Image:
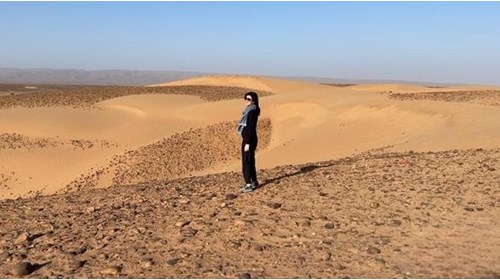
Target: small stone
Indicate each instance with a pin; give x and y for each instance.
(147, 263)
(182, 223)
(239, 223)
(258, 247)
(21, 239)
(172, 262)
(90, 210)
(373, 250)
(470, 209)
(326, 257)
(112, 270)
(78, 264)
(394, 223)
(210, 215)
(330, 226)
(22, 269)
(223, 204)
(275, 205)
(245, 276)
(4, 256)
(231, 196)
(184, 201)
(305, 224)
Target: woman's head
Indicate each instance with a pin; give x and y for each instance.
(252, 97)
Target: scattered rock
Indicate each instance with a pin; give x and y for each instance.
(4, 256)
(326, 257)
(245, 276)
(223, 204)
(373, 250)
(470, 209)
(147, 263)
(182, 223)
(90, 210)
(330, 226)
(239, 223)
(77, 264)
(23, 237)
(112, 270)
(258, 247)
(189, 232)
(231, 196)
(184, 201)
(275, 205)
(394, 223)
(22, 269)
(173, 261)
(374, 205)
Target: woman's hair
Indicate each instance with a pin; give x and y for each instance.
(255, 100)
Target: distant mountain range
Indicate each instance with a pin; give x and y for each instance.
(139, 78)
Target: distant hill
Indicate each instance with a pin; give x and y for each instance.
(138, 78)
(97, 77)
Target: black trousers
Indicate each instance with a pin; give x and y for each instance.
(248, 163)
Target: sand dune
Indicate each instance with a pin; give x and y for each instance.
(308, 121)
(215, 80)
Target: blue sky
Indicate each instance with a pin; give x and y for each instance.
(417, 41)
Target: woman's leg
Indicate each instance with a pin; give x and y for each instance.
(246, 165)
(253, 169)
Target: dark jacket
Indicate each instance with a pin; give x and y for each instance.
(249, 132)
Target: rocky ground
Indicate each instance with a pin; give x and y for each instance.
(172, 157)
(375, 215)
(16, 141)
(87, 96)
(485, 97)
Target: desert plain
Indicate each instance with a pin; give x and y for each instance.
(357, 181)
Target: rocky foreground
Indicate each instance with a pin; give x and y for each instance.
(376, 215)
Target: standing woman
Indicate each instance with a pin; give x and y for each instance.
(247, 127)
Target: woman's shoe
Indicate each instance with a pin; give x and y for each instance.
(247, 188)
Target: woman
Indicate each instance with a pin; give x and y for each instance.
(247, 127)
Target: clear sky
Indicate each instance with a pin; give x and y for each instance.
(418, 41)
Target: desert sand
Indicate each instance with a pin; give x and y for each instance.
(379, 180)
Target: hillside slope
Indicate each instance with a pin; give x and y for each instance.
(376, 215)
